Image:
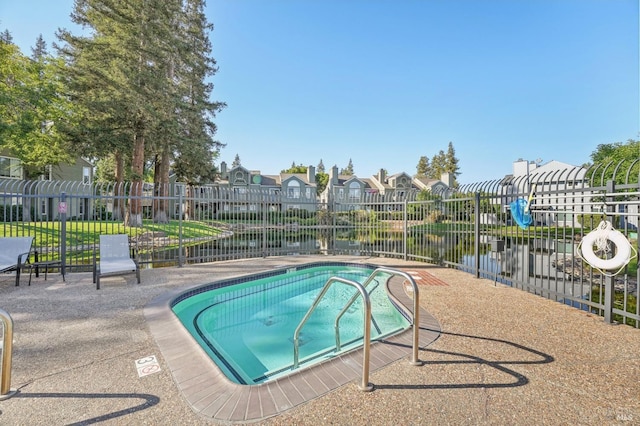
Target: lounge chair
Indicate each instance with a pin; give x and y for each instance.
(115, 258)
(14, 254)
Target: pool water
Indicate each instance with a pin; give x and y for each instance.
(247, 326)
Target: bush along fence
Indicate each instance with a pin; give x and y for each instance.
(470, 228)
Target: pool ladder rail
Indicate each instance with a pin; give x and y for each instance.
(5, 360)
(366, 349)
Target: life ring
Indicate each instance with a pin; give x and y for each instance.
(623, 250)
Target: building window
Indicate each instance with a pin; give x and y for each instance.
(86, 175)
(293, 189)
(10, 168)
(354, 191)
(239, 178)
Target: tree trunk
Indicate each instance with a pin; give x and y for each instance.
(188, 203)
(137, 182)
(118, 190)
(161, 204)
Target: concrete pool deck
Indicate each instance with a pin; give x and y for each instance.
(503, 356)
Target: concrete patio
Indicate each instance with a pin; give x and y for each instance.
(503, 357)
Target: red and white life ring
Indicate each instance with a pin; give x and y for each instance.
(623, 250)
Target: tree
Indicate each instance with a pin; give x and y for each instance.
(349, 170)
(39, 51)
(320, 167)
(438, 165)
(32, 108)
(117, 76)
(195, 149)
(236, 162)
(295, 169)
(616, 152)
(607, 157)
(322, 180)
(451, 163)
(105, 170)
(6, 37)
(423, 167)
(140, 79)
(443, 163)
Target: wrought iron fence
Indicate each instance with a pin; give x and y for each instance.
(469, 228)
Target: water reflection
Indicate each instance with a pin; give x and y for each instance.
(532, 268)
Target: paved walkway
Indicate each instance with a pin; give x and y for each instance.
(504, 357)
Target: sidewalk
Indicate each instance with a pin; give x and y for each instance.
(504, 357)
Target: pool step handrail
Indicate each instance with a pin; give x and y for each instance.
(336, 325)
(5, 362)
(416, 309)
(365, 386)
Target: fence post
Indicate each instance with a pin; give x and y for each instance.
(180, 228)
(331, 246)
(265, 218)
(405, 227)
(476, 233)
(609, 280)
(62, 209)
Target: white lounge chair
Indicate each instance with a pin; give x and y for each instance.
(14, 254)
(115, 258)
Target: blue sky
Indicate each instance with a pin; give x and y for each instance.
(384, 82)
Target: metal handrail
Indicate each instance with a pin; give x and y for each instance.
(5, 364)
(336, 326)
(366, 305)
(416, 309)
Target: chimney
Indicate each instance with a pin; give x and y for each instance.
(446, 178)
(223, 169)
(311, 174)
(382, 176)
(333, 175)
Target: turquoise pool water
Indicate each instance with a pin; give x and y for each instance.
(246, 325)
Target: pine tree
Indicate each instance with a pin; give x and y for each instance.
(118, 77)
(451, 163)
(423, 167)
(349, 170)
(39, 51)
(197, 146)
(320, 167)
(438, 165)
(236, 162)
(196, 149)
(6, 37)
(140, 80)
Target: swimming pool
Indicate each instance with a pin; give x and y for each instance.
(246, 325)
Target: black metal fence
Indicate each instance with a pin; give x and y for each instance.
(469, 228)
